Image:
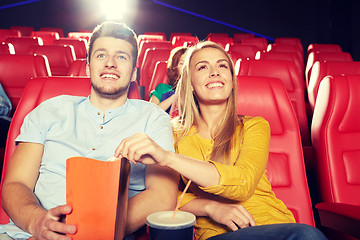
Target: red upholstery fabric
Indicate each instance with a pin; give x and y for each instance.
(60, 57)
(220, 38)
(258, 42)
(80, 35)
(47, 37)
(16, 70)
(24, 30)
(6, 48)
(153, 37)
(267, 97)
(324, 56)
(60, 31)
(144, 45)
(293, 82)
(159, 75)
(5, 33)
(152, 56)
(174, 34)
(238, 50)
(79, 45)
(276, 47)
(335, 135)
(322, 69)
(180, 40)
(22, 44)
(238, 36)
(287, 56)
(321, 47)
(290, 41)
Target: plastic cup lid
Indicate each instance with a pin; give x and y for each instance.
(164, 220)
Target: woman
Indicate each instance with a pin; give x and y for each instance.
(163, 94)
(225, 156)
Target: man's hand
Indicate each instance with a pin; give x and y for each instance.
(51, 225)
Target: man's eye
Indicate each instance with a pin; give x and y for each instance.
(100, 55)
(121, 57)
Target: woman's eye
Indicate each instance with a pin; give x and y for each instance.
(223, 66)
(201, 67)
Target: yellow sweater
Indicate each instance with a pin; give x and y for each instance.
(244, 180)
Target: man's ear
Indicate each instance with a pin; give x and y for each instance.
(134, 75)
(87, 69)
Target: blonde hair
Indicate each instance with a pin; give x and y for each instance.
(189, 112)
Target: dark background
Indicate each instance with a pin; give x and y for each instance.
(313, 21)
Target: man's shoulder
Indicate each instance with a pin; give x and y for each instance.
(59, 102)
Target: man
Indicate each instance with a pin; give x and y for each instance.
(34, 193)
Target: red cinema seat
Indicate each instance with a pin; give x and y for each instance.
(38, 90)
(156, 33)
(60, 57)
(151, 37)
(47, 37)
(80, 35)
(293, 82)
(335, 133)
(237, 37)
(152, 56)
(60, 31)
(178, 41)
(322, 47)
(290, 41)
(267, 97)
(286, 56)
(16, 70)
(4, 33)
(79, 45)
(24, 30)
(260, 43)
(324, 56)
(322, 69)
(220, 38)
(174, 34)
(273, 47)
(148, 44)
(22, 44)
(78, 69)
(159, 75)
(238, 50)
(6, 48)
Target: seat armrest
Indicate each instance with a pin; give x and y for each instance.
(341, 217)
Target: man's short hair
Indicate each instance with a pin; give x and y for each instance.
(115, 30)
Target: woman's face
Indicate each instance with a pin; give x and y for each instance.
(211, 77)
(180, 64)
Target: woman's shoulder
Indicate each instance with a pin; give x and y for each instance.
(249, 121)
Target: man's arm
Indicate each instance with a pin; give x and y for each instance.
(19, 201)
(160, 195)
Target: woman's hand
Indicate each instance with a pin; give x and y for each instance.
(234, 216)
(141, 148)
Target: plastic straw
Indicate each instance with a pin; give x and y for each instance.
(181, 197)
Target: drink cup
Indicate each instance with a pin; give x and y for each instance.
(162, 226)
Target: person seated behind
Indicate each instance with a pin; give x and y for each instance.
(163, 94)
(224, 155)
(34, 190)
(5, 112)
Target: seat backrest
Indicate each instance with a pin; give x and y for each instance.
(60, 57)
(47, 37)
(4, 33)
(238, 36)
(287, 56)
(152, 56)
(335, 136)
(321, 69)
(178, 41)
(293, 82)
(259, 42)
(290, 41)
(276, 47)
(60, 31)
(79, 45)
(323, 47)
(220, 38)
(22, 44)
(324, 56)
(38, 90)
(16, 70)
(267, 97)
(7, 48)
(238, 49)
(159, 75)
(152, 37)
(24, 30)
(174, 34)
(148, 44)
(80, 35)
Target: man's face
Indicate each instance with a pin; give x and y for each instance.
(110, 68)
